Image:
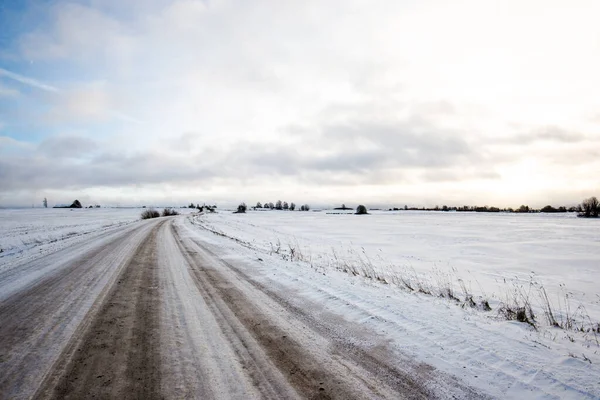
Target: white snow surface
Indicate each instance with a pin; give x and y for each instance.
(506, 359)
(26, 233)
(492, 253)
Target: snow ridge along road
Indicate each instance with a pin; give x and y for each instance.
(153, 311)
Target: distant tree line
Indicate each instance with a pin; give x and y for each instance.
(491, 209)
(280, 205)
(589, 208)
(152, 213)
(202, 207)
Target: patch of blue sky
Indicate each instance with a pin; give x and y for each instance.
(29, 119)
(21, 16)
(12, 21)
(25, 132)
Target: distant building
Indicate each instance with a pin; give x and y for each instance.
(75, 204)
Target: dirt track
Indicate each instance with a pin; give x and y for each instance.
(152, 312)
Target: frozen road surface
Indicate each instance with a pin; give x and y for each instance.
(151, 311)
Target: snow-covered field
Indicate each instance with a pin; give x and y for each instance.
(492, 254)
(507, 359)
(23, 231)
(32, 232)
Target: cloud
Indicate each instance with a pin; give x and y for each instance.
(112, 170)
(27, 81)
(67, 147)
(544, 134)
(459, 175)
(556, 134)
(580, 156)
(78, 33)
(6, 142)
(88, 103)
(358, 153)
(291, 97)
(409, 143)
(435, 108)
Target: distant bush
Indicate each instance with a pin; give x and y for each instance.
(304, 207)
(550, 209)
(168, 212)
(241, 208)
(150, 213)
(361, 210)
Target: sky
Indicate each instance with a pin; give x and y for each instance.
(322, 102)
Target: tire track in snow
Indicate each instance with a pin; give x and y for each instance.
(117, 355)
(206, 354)
(325, 372)
(37, 321)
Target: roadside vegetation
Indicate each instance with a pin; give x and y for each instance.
(168, 212)
(152, 213)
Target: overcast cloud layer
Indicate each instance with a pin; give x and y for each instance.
(383, 103)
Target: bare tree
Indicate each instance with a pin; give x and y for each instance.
(278, 205)
(292, 206)
(589, 208)
(45, 202)
(286, 205)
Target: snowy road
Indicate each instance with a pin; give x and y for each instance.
(151, 311)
